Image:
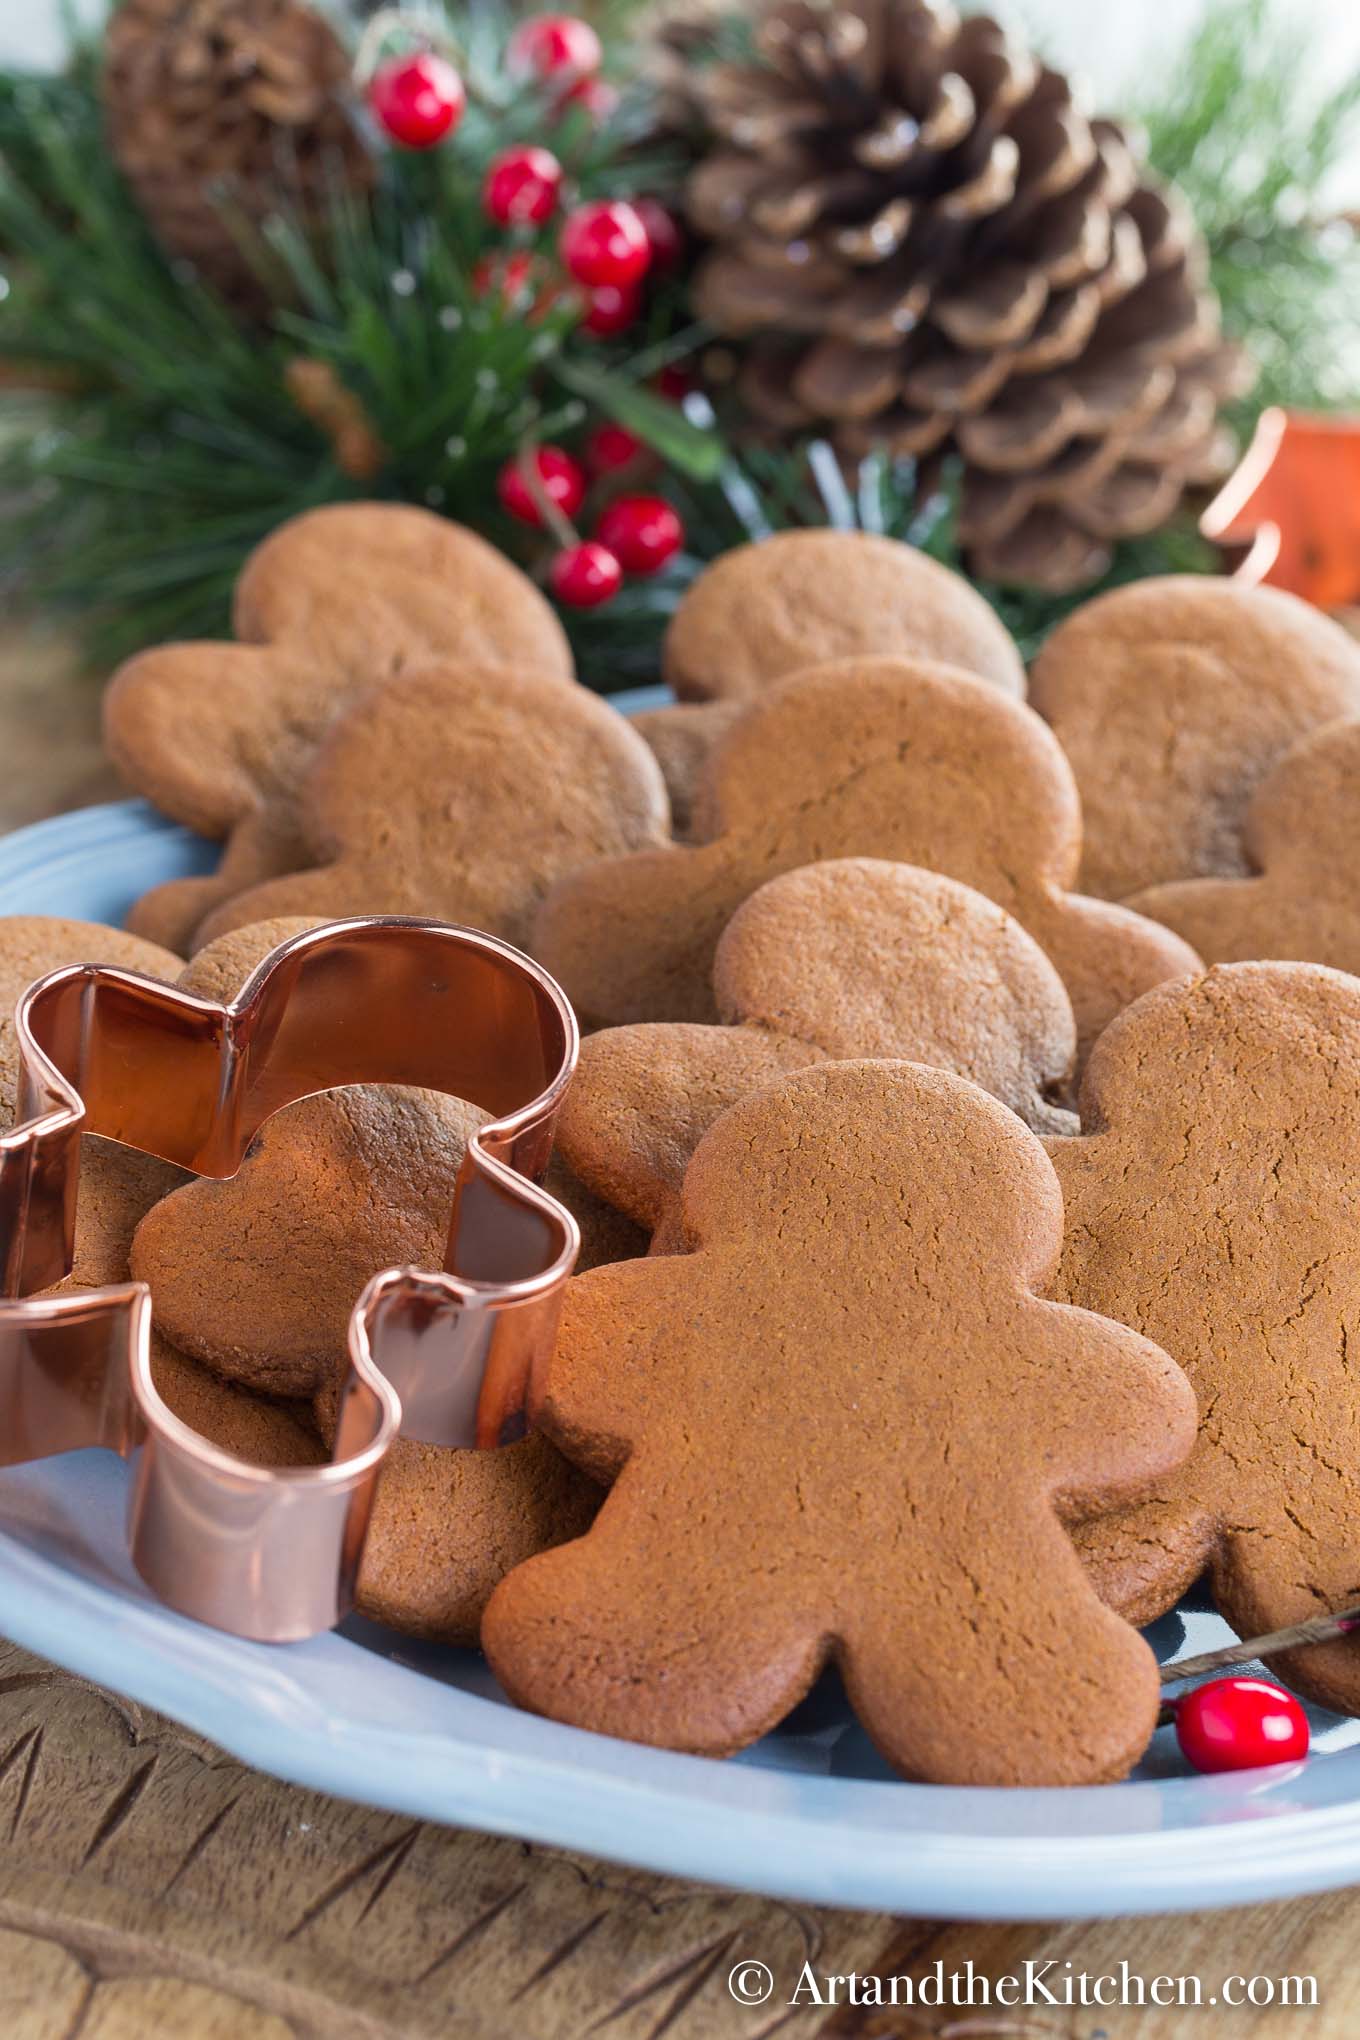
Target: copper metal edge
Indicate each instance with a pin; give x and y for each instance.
(447, 1357)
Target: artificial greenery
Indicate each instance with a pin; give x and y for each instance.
(149, 440)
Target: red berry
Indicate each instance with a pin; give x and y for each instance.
(612, 310)
(550, 44)
(417, 100)
(664, 236)
(521, 187)
(605, 242)
(596, 95)
(512, 276)
(585, 575)
(641, 531)
(611, 447)
(1237, 1724)
(561, 479)
(673, 384)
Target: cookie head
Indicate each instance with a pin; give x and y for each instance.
(804, 598)
(463, 793)
(850, 1353)
(1173, 698)
(1211, 1205)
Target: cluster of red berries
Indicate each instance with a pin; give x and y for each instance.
(634, 534)
(606, 248)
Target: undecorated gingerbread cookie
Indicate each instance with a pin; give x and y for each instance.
(835, 961)
(888, 758)
(331, 605)
(845, 1426)
(1173, 698)
(462, 794)
(1302, 833)
(1211, 1204)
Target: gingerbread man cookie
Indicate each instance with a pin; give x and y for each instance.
(462, 794)
(889, 758)
(1301, 835)
(1211, 1204)
(332, 604)
(835, 961)
(844, 1425)
(1173, 698)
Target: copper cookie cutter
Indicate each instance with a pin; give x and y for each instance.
(449, 1358)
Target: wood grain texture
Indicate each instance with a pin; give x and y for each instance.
(152, 1888)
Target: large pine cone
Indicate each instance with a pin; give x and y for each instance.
(931, 249)
(223, 112)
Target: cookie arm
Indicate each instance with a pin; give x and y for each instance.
(617, 1333)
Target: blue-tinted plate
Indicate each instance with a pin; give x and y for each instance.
(809, 1814)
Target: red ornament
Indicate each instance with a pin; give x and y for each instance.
(561, 479)
(1238, 1724)
(417, 100)
(643, 532)
(585, 575)
(611, 447)
(521, 187)
(551, 44)
(612, 310)
(664, 235)
(605, 242)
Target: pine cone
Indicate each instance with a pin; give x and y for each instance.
(929, 248)
(223, 112)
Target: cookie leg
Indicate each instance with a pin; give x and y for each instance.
(1305, 1564)
(627, 1633)
(997, 1665)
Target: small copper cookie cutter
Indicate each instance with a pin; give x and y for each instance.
(447, 1357)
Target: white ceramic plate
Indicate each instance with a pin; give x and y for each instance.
(809, 1814)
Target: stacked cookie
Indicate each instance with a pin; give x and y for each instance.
(895, 1386)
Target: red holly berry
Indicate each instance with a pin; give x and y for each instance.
(1237, 1724)
(643, 532)
(585, 575)
(605, 242)
(596, 95)
(561, 479)
(551, 44)
(521, 187)
(417, 100)
(612, 310)
(673, 384)
(664, 235)
(611, 447)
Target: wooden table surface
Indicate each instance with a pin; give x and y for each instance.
(151, 1886)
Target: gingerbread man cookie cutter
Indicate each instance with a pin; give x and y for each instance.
(447, 1358)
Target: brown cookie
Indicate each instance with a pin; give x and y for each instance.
(262, 1429)
(891, 758)
(834, 961)
(1173, 698)
(845, 1426)
(333, 603)
(462, 794)
(1302, 831)
(805, 598)
(117, 1185)
(1211, 1204)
